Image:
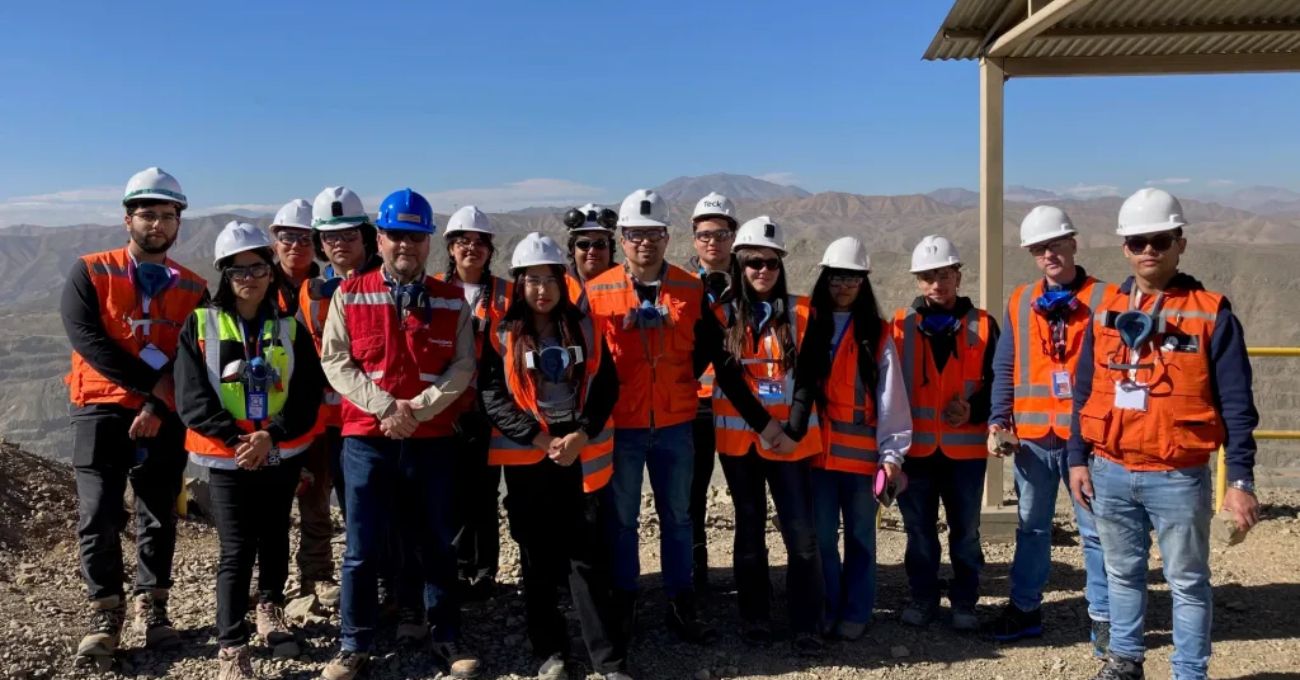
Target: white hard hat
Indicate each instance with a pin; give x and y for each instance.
(469, 218)
(1045, 223)
(237, 237)
(154, 184)
(338, 208)
(1149, 211)
(295, 214)
(715, 205)
(934, 252)
(847, 253)
(536, 249)
(591, 217)
(760, 232)
(643, 208)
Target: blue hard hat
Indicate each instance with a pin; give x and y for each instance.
(406, 210)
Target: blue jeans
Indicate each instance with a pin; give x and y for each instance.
(670, 454)
(1040, 468)
(959, 484)
(407, 484)
(1176, 503)
(850, 586)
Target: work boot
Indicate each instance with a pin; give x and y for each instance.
(553, 668)
(964, 618)
(151, 621)
(1100, 636)
(235, 663)
(1120, 669)
(411, 626)
(104, 633)
(345, 665)
(917, 614)
(461, 663)
(1014, 624)
(683, 621)
(271, 625)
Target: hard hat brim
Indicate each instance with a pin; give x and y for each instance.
(1155, 228)
(705, 216)
(850, 267)
(153, 196)
(1048, 237)
(236, 251)
(584, 228)
(341, 225)
(741, 246)
(641, 222)
(404, 226)
(461, 230)
(930, 268)
(287, 225)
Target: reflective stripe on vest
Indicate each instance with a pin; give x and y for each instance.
(928, 432)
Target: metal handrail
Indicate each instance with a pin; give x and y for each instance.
(1221, 469)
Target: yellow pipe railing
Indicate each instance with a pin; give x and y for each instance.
(1221, 469)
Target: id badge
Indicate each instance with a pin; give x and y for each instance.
(771, 390)
(153, 356)
(1131, 396)
(1061, 385)
(255, 405)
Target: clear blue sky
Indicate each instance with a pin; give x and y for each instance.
(250, 104)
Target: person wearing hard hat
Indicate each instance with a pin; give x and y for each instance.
(343, 237)
(123, 310)
(470, 249)
(247, 386)
(591, 240)
(549, 384)
(399, 347)
(1033, 370)
(713, 227)
(763, 326)
(946, 345)
(654, 316)
(1163, 381)
(292, 234)
(848, 363)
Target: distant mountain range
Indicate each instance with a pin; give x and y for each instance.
(735, 187)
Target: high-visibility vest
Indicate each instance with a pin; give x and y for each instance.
(217, 330)
(597, 457)
(657, 385)
(1037, 412)
(848, 429)
(1181, 427)
(126, 322)
(403, 356)
(577, 292)
(313, 309)
(929, 390)
(763, 363)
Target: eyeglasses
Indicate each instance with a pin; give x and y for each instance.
(399, 236)
(540, 281)
(151, 217)
(1159, 242)
(260, 270)
(467, 242)
(343, 236)
(293, 237)
(759, 264)
(1057, 246)
(945, 275)
(598, 244)
(846, 280)
(711, 235)
(640, 235)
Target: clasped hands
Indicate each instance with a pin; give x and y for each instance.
(563, 450)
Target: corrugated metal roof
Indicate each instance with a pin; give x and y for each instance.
(1105, 28)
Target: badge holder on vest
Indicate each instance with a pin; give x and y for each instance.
(258, 377)
(151, 280)
(770, 389)
(1136, 330)
(1056, 306)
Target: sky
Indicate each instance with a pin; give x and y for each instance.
(513, 104)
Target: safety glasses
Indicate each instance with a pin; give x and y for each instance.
(342, 236)
(714, 235)
(252, 271)
(640, 235)
(1158, 242)
(398, 236)
(585, 244)
(293, 237)
(1058, 246)
(758, 264)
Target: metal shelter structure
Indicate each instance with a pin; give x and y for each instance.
(1038, 38)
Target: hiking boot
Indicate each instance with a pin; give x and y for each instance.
(271, 625)
(808, 645)
(104, 633)
(1100, 636)
(411, 626)
(553, 668)
(1120, 669)
(151, 621)
(850, 630)
(345, 665)
(1014, 624)
(916, 614)
(235, 663)
(327, 592)
(461, 663)
(683, 621)
(965, 619)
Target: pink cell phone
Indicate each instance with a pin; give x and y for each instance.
(887, 491)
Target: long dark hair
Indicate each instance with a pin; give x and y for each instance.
(865, 315)
(369, 242)
(225, 297)
(518, 321)
(742, 297)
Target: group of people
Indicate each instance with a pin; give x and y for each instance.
(411, 395)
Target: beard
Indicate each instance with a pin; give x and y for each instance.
(152, 246)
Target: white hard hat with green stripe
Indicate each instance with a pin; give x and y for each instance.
(154, 184)
(337, 208)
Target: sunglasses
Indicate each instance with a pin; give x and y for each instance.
(293, 237)
(846, 280)
(399, 236)
(252, 271)
(1159, 243)
(1040, 249)
(651, 235)
(712, 235)
(599, 244)
(759, 264)
(337, 237)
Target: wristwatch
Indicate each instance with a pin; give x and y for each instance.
(1246, 485)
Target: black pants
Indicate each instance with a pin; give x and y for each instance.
(251, 511)
(560, 531)
(705, 442)
(104, 458)
(478, 541)
(749, 476)
(316, 527)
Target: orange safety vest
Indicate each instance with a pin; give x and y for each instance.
(1181, 427)
(1037, 412)
(761, 361)
(597, 457)
(657, 385)
(312, 312)
(127, 323)
(403, 356)
(929, 390)
(848, 429)
(577, 292)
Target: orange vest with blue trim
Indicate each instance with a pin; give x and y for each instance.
(848, 429)
(929, 390)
